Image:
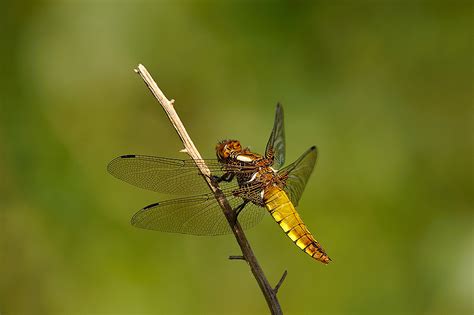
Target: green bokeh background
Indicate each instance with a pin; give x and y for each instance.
(383, 88)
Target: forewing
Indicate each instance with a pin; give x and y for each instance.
(276, 143)
(164, 175)
(198, 215)
(298, 174)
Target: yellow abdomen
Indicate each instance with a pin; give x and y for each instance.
(284, 213)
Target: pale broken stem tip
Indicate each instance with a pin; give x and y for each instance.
(172, 101)
(183, 150)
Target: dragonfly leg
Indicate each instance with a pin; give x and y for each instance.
(227, 177)
(240, 207)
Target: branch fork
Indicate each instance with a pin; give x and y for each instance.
(277, 287)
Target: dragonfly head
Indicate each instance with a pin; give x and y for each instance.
(226, 148)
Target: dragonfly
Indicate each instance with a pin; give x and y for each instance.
(252, 183)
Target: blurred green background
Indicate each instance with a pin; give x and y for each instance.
(384, 89)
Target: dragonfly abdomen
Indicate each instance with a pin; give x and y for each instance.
(285, 214)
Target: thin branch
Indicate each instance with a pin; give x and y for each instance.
(268, 292)
(280, 282)
(236, 257)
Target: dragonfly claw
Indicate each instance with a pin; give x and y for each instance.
(239, 208)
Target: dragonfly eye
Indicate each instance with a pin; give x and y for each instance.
(236, 146)
(225, 148)
(222, 151)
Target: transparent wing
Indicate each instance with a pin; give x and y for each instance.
(298, 174)
(198, 215)
(276, 143)
(166, 175)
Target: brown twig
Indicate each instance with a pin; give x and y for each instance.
(248, 255)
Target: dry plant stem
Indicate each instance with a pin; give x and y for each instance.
(268, 292)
